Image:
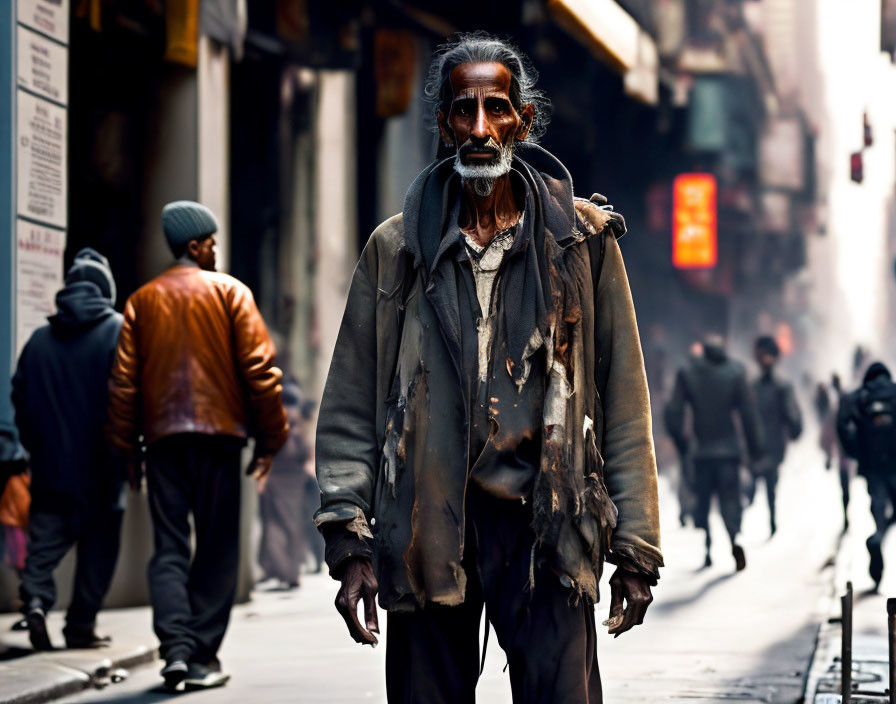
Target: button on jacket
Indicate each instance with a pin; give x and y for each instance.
(195, 356)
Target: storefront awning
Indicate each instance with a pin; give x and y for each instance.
(615, 38)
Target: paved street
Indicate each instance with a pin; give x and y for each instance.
(710, 636)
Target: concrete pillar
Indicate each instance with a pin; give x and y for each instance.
(335, 211)
(213, 137)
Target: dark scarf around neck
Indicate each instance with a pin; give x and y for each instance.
(540, 296)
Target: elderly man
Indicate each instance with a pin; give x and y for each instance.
(193, 377)
(484, 437)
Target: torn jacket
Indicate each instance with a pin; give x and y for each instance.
(393, 450)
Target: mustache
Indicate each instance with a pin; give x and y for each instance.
(490, 146)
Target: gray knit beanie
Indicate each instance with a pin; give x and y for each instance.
(90, 265)
(184, 221)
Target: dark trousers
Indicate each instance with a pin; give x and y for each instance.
(882, 490)
(548, 637)
(845, 476)
(196, 475)
(769, 474)
(721, 478)
(55, 526)
(281, 505)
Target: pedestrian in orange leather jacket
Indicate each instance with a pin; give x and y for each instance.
(193, 378)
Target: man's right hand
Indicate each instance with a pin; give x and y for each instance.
(358, 583)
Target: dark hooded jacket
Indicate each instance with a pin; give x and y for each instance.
(60, 394)
(393, 439)
(779, 414)
(716, 389)
(866, 422)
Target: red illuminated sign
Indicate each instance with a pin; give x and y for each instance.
(694, 222)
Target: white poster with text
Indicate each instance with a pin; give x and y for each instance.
(47, 16)
(39, 262)
(42, 66)
(41, 160)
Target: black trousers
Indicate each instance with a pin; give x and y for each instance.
(882, 491)
(718, 477)
(769, 475)
(192, 596)
(56, 525)
(549, 638)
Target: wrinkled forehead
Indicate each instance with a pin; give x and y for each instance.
(469, 80)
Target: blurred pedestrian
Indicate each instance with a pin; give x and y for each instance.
(781, 420)
(193, 378)
(830, 442)
(13, 458)
(715, 388)
(60, 393)
(687, 494)
(866, 424)
(282, 499)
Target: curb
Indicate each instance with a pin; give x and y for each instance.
(830, 613)
(43, 677)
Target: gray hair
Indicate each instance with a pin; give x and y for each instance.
(481, 47)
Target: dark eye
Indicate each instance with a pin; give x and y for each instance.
(464, 107)
(497, 106)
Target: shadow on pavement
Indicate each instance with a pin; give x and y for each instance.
(684, 601)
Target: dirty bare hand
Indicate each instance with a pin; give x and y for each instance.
(359, 583)
(260, 466)
(634, 589)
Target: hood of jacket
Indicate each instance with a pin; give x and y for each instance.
(876, 371)
(714, 354)
(79, 305)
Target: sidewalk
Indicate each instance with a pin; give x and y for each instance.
(711, 636)
(41, 677)
(870, 677)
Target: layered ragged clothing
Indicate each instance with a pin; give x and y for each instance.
(566, 403)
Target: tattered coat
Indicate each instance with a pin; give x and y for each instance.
(392, 439)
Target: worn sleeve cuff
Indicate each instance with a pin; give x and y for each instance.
(635, 559)
(343, 543)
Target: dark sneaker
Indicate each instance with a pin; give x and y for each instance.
(174, 673)
(37, 630)
(83, 641)
(76, 639)
(205, 676)
(740, 559)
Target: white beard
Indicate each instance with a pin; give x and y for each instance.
(481, 177)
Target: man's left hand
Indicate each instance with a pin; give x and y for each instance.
(260, 466)
(629, 598)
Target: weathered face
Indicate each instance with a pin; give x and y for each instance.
(482, 122)
(204, 252)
